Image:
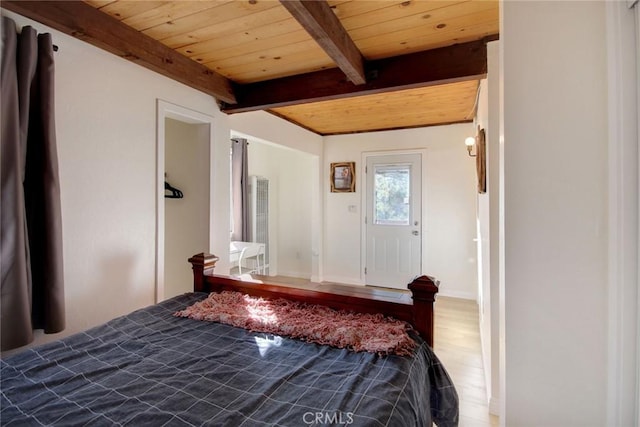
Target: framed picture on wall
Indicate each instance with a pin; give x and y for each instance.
(343, 177)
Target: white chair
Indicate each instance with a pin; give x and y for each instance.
(241, 252)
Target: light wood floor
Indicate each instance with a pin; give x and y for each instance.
(456, 343)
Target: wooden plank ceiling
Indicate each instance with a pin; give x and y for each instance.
(336, 66)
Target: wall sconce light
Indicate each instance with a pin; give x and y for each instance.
(479, 141)
(470, 142)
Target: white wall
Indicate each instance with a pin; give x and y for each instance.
(555, 174)
(450, 217)
(187, 219)
(106, 132)
(270, 128)
(484, 242)
(488, 229)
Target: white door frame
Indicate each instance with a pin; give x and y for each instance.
(365, 190)
(623, 395)
(166, 110)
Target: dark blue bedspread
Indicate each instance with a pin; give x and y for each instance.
(150, 368)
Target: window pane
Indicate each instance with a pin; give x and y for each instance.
(391, 195)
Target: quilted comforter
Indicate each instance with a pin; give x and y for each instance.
(151, 368)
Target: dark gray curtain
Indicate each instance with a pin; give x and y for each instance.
(32, 292)
(240, 189)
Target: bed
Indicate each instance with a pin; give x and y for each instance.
(153, 368)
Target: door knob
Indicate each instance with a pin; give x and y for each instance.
(415, 232)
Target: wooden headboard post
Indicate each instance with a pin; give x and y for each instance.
(202, 264)
(423, 292)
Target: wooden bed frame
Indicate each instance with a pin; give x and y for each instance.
(418, 311)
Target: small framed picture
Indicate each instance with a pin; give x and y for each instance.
(343, 177)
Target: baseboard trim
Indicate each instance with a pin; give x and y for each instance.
(494, 406)
(486, 361)
(344, 280)
(457, 294)
(286, 273)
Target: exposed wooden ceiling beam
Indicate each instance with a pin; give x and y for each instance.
(461, 62)
(84, 22)
(318, 19)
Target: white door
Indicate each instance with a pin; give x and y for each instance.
(393, 219)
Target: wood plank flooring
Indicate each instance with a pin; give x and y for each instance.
(456, 343)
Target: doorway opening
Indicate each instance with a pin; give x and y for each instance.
(184, 159)
(286, 218)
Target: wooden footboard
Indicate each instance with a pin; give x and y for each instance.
(418, 311)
